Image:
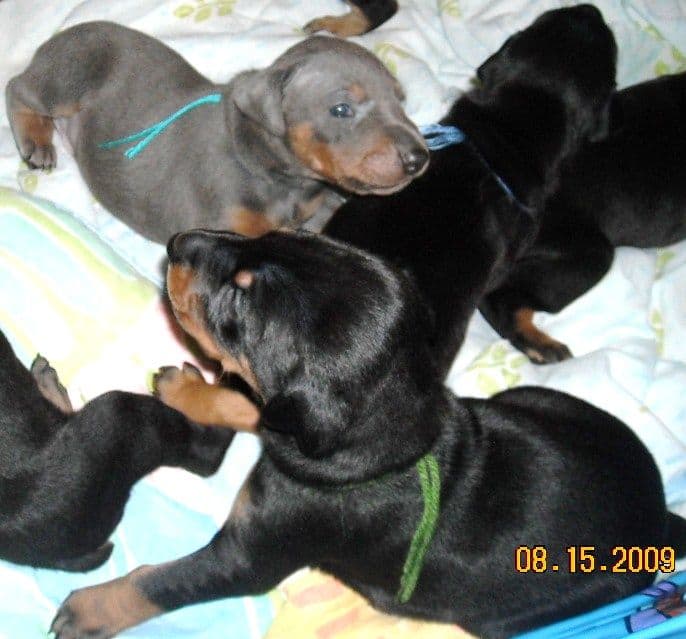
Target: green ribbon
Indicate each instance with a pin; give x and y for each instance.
(430, 482)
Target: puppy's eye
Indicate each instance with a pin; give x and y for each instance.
(342, 110)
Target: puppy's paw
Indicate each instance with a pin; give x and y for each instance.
(38, 156)
(351, 24)
(548, 353)
(537, 345)
(102, 611)
(171, 384)
(70, 624)
(49, 384)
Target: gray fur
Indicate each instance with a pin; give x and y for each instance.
(217, 157)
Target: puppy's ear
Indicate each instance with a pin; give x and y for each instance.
(494, 69)
(258, 96)
(316, 430)
(482, 72)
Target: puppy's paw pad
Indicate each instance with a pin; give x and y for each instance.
(49, 384)
(43, 156)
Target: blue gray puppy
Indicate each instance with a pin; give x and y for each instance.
(280, 149)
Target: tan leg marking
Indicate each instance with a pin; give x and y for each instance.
(110, 607)
(32, 126)
(528, 331)
(212, 405)
(351, 24)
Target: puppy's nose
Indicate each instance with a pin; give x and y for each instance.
(414, 160)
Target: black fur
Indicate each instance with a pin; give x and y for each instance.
(628, 189)
(541, 97)
(336, 340)
(65, 477)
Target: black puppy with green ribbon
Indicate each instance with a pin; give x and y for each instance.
(374, 471)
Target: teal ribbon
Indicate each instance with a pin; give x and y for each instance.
(430, 482)
(153, 131)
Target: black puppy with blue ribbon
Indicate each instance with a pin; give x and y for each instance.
(466, 227)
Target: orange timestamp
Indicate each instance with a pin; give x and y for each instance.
(579, 559)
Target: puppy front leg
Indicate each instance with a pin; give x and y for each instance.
(224, 568)
(186, 390)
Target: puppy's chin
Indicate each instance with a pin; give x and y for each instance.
(185, 305)
(179, 280)
(353, 185)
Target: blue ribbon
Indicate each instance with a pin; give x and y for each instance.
(152, 132)
(438, 136)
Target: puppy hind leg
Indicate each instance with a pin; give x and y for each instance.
(554, 275)
(512, 317)
(32, 129)
(32, 121)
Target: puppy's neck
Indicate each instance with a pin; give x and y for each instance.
(276, 183)
(523, 146)
(391, 427)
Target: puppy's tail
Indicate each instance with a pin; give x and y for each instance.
(676, 534)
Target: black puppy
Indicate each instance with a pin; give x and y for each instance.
(628, 189)
(464, 225)
(65, 476)
(374, 471)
